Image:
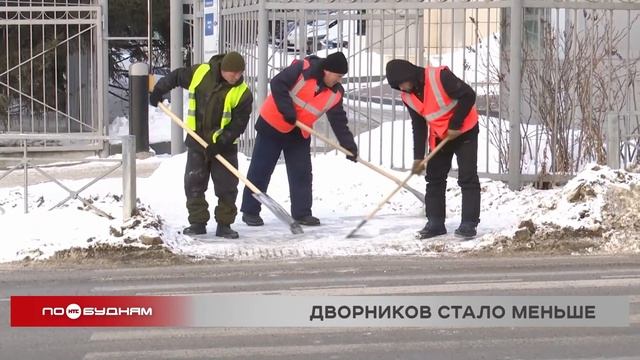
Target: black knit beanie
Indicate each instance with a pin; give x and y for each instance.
(336, 63)
(399, 71)
(232, 61)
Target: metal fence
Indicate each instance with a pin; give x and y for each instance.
(545, 79)
(51, 72)
(34, 163)
(623, 129)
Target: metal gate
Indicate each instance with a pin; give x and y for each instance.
(539, 86)
(51, 72)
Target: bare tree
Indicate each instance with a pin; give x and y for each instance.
(575, 78)
(572, 78)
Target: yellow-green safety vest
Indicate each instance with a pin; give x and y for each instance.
(230, 101)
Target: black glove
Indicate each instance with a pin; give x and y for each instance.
(225, 138)
(291, 121)
(224, 142)
(353, 149)
(418, 166)
(212, 150)
(155, 97)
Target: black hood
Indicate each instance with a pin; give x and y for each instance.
(315, 66)
(399, 71)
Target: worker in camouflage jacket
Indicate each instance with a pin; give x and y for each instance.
(220, 105)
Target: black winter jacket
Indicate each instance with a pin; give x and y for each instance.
(210, 95)
(455, 89)
(284, 81)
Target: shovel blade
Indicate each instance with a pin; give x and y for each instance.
(353, 232)
(279, 212)
(415, 192)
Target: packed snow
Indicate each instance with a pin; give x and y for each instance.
(599, 204)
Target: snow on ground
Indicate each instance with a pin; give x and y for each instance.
(600, 205)
(41, 233)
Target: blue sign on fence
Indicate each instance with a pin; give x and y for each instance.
(208, 24)
(208, 3)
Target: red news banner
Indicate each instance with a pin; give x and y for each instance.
(98, 311)
(232, 310)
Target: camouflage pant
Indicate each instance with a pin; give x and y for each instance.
(225, 184)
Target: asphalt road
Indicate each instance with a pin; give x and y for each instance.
(341, 276)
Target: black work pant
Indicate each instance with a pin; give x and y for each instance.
(225, 184)
(297, 155)
(465, 147)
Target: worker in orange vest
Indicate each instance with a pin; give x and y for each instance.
(303, 91)
(441, 106)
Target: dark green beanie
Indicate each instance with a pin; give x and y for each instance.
(232, 61)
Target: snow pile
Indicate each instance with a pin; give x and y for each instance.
(41, 233)
(597, 211)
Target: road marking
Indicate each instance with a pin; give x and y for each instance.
(338, 280)
(482, 281)
(5, 300)
(601, 358)
(218, 332)
(389, 347)
(628, 276)
(328, 287)
(436, 288)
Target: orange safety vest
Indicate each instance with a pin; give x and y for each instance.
(309, 106)
(437, 107)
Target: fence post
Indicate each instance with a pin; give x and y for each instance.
(263, 52)
(139, 105)
(25, 162)
(515, 47)
(128, 176)
(613, 141)
(102, 76)
(176, 23)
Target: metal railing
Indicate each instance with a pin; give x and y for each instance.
(51, 70)
(623, 139)
(127, 163)
(493, 45)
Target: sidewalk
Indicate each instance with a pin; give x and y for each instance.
(71, 171)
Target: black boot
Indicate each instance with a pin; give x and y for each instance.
(252, 220)
(226, 232)
(308, 221)
(466, 230)
(195, 229)
(431, 230)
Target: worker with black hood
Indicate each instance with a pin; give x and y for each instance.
(441, 106)
(220, 105)
(303, 91)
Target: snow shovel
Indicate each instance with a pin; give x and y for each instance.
(263, 198)
(373, 213)
(377, 169)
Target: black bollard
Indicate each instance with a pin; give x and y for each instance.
(139, 105)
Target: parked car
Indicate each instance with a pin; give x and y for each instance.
(320, 35)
